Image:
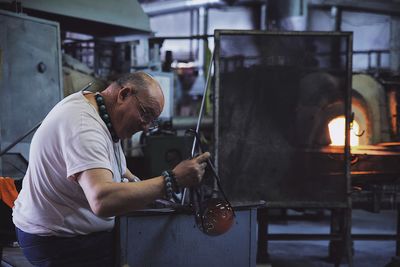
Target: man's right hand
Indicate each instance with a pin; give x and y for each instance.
(190, 172)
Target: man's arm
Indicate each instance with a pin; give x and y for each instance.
(130, 176)
(107, 198)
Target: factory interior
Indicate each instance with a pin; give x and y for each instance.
(297, 102)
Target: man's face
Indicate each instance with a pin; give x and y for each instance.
(137, 111)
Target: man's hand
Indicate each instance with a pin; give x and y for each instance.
(190, 172)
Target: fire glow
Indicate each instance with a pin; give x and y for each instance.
(337, 132)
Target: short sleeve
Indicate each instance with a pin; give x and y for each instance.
(87, 147)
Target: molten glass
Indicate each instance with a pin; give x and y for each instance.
(216, 217)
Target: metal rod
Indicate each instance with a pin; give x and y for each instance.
(203, 101)
(191, 37)
(87, 86)
(8, 148)
(377, 237)
(276, 237)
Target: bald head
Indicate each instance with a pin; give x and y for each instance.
(141, 81)
(144, 85)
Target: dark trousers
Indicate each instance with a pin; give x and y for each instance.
(95, 249)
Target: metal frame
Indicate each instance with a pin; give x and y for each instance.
(347, 100)
(343, 236)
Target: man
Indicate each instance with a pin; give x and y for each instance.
(72, 188)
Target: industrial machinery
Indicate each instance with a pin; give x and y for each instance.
(30, 82)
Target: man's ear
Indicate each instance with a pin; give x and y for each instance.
(124, 93)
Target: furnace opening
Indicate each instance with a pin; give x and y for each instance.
(337, 132)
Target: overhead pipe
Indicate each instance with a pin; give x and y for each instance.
(173, 6)
(168, 7)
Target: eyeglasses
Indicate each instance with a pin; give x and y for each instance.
(146, 116)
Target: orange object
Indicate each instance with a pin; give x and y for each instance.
(8, 191)
(216, 217)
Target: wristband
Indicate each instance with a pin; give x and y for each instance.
(170, 184)
(175, 185)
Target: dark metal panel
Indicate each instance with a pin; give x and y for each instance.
(172, 239)
(275, 94)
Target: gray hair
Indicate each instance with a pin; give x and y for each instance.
(140, 80)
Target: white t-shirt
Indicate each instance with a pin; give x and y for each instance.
(72, 138)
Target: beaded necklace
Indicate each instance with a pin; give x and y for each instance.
(105, 117)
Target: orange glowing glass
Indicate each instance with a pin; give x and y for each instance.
(337, 132)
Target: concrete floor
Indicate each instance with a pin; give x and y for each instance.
(315, 253)
(308, 253)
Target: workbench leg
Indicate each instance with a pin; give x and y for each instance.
(262, 242)
(398, 233)
(340, 250)
(335, 246)
(348, 239)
